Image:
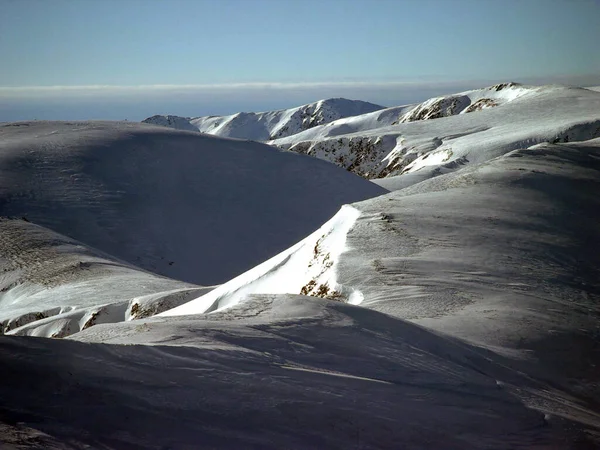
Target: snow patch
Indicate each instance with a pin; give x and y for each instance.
(430, 159)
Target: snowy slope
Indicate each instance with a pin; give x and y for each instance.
(495, 254)
(515, 207)
(459, 311)
(268, 125)
(53, 286)
(400, 140)
(281, 372)
(501, 254)
(192, 207)
(175, 122)
(307, 268)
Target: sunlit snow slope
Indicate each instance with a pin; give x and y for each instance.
(280, 372)
(446, 133)
(196, 208)
(502, 254)
(271, 124)
(53, 286)
(515, 237)
(477, 281)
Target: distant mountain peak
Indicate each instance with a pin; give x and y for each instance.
(465, 102)
(269, 125)
(176, 122)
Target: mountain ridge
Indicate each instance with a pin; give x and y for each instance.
(166, 200)
(268, 125)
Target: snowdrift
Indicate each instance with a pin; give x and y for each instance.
(307, 268)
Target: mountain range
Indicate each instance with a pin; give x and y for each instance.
(337, 275)
(271, 124)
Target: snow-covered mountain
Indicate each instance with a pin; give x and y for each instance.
(466, 129)
(176, 203)
(54, 286)
(175, 122)
(380, 142)
(491, 254)
(457, 309)
(477, 314)
(465, 102)
(269, 125)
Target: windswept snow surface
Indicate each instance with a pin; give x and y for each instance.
(271, 124)
(192, 207)
(446, 132)
(276, 372)
(53, 286)
(501, 254)
(478, 281)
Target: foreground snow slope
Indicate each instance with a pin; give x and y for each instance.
(53, 286)
(441, 135)
(478, 327)
(501, 254)
(192, 207)
(271, 124)
(279, 372)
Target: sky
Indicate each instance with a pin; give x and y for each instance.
(117, 59)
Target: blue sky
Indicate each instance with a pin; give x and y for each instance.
(302, 47)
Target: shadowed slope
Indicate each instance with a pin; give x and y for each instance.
(192, 207)
(280, 372)
(503, 255)
(54, 286)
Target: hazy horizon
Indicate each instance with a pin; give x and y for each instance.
(129, 60)
(136, 103)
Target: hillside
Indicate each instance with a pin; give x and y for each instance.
(457, 308)
(490, 254)
(451, 240)
(268, 125)
(176, 203)
(281, 372)
(476, 323)
(446, 133)
(54, 286)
